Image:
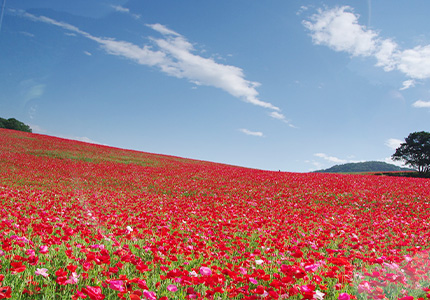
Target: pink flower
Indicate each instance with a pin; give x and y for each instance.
(243, 271)
(30, 252)
(73, 279)
(344, 296)
(307, 288)
(80, 294)
(42, 272)
(311, 268)
(253, 280)
(149, 295)
(205, 271)
(172, 288)
(43, 249)
(116, 285)
(364, 287)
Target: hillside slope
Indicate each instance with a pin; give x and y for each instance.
(85, 220)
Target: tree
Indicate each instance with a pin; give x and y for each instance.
(415, 151)
(14, 124)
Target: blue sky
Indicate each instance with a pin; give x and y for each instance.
(276, 85)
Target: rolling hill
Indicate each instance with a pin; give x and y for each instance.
(368, 166)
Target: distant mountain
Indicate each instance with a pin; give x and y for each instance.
(368, 166)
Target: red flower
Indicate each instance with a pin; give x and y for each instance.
(72, 268)
(33, 260)
(17, 267)
(297, 254)
(5, 292)
(94, 292)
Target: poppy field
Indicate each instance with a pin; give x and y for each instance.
(85, 221)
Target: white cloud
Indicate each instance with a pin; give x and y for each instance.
(398, 163)
(175, 57)
(279, 116)
(393, 144)
(330, 158)
(141, 55)
(415, 62)
(253, 133)
(163, 29)
(119, 8)
(37, 129)
(122, 9)
(338, 28)
(301, 10)
(387, 55)
(317, 165)
(421, 104)
(87, 53)
(182, 63)
(80, 138)
(407, 84)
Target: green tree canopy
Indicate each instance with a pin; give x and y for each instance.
(415, 151)
(14, 124)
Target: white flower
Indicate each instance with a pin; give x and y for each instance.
(129, 228)
(319, 295)
(259, 261)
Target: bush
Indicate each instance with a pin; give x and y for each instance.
(14, 124)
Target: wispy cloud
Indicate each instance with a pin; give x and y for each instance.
(80, 138)
(281, 117)
(393, 144)
(398, 163)
(301, 10)
(163, 29)
(27, 33)
(332, 159)
(87, 53)
(2, 13)
(174, 55)
(253, 133)
(37, 129)
(339, 29)
(407, 84)
(122, 9)
(181, 62)
(317, 165)
(421, 104)
(277, 115)
(31, 89)
(119, 8)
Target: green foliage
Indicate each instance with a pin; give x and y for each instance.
(405, 174)
(14, 124)
(415, 151)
